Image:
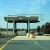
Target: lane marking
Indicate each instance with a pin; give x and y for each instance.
(40, 45)
(5, 44)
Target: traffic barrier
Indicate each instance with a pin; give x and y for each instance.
(32, 35)
(28, 35)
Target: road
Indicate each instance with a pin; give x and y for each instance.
(28, 45)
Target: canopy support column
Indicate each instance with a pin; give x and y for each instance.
(13, 27)
(28, 26)
(7, 25)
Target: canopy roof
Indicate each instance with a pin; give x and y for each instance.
(23, 19)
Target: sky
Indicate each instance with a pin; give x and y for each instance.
(14, 7)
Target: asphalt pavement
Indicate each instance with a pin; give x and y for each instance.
(27, 45)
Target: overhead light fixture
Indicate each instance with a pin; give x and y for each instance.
(20, 18)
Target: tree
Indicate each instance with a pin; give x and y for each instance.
(38, 30)
(42, 28)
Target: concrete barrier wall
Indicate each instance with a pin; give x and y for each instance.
(21, 33)
(5, 33)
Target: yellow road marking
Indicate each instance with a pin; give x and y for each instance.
(5, 45)
(0, 48)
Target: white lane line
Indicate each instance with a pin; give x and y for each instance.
(40, 45)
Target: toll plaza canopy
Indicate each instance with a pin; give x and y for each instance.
(21, 19)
